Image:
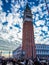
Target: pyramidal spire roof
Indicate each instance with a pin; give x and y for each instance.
(27, 6)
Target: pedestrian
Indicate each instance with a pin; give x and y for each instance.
(4, 62)
(14, 61)
(19, 62)
(26, 63)
(45, 63)
(36, 61)
(30, 62)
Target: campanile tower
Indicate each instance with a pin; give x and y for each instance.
(28, 44)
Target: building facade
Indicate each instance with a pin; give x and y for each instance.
(28, 44)
(42, 52)
(17, 53)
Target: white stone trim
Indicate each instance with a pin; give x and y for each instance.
(27, 19)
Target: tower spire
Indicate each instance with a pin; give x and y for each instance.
(27, 6)
(27, 13)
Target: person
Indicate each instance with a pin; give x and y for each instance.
(30, 62)
(14, 61)
(4, 62)
(37, 62)
(26, 63)
(45, 63)
(19, 62)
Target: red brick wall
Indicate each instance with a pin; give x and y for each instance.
(28, 44)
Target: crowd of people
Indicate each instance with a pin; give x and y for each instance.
(22, 62)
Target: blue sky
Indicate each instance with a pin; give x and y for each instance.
(11, 22)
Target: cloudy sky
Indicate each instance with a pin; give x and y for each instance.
(11, 22)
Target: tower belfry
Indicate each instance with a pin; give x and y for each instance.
(28, 44)
(27, 14)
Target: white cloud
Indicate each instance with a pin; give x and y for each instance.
(1, 26)
(37, 8)
(20, 35)
(37, 30)
(22, 3)
(34, 9)
(12, 1)
(1, 3)
(17, 6)
(0, 8)
(3, 16)
(45, 28)
(16, 18)
(40, 22)
(48, 32)
(40, 11)
(6, 1)
(21, 22)
(37, 17)
(40, 39)
(5, 36)
(46, 41)
(10, 19)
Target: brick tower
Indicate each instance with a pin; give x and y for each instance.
(28, 44)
